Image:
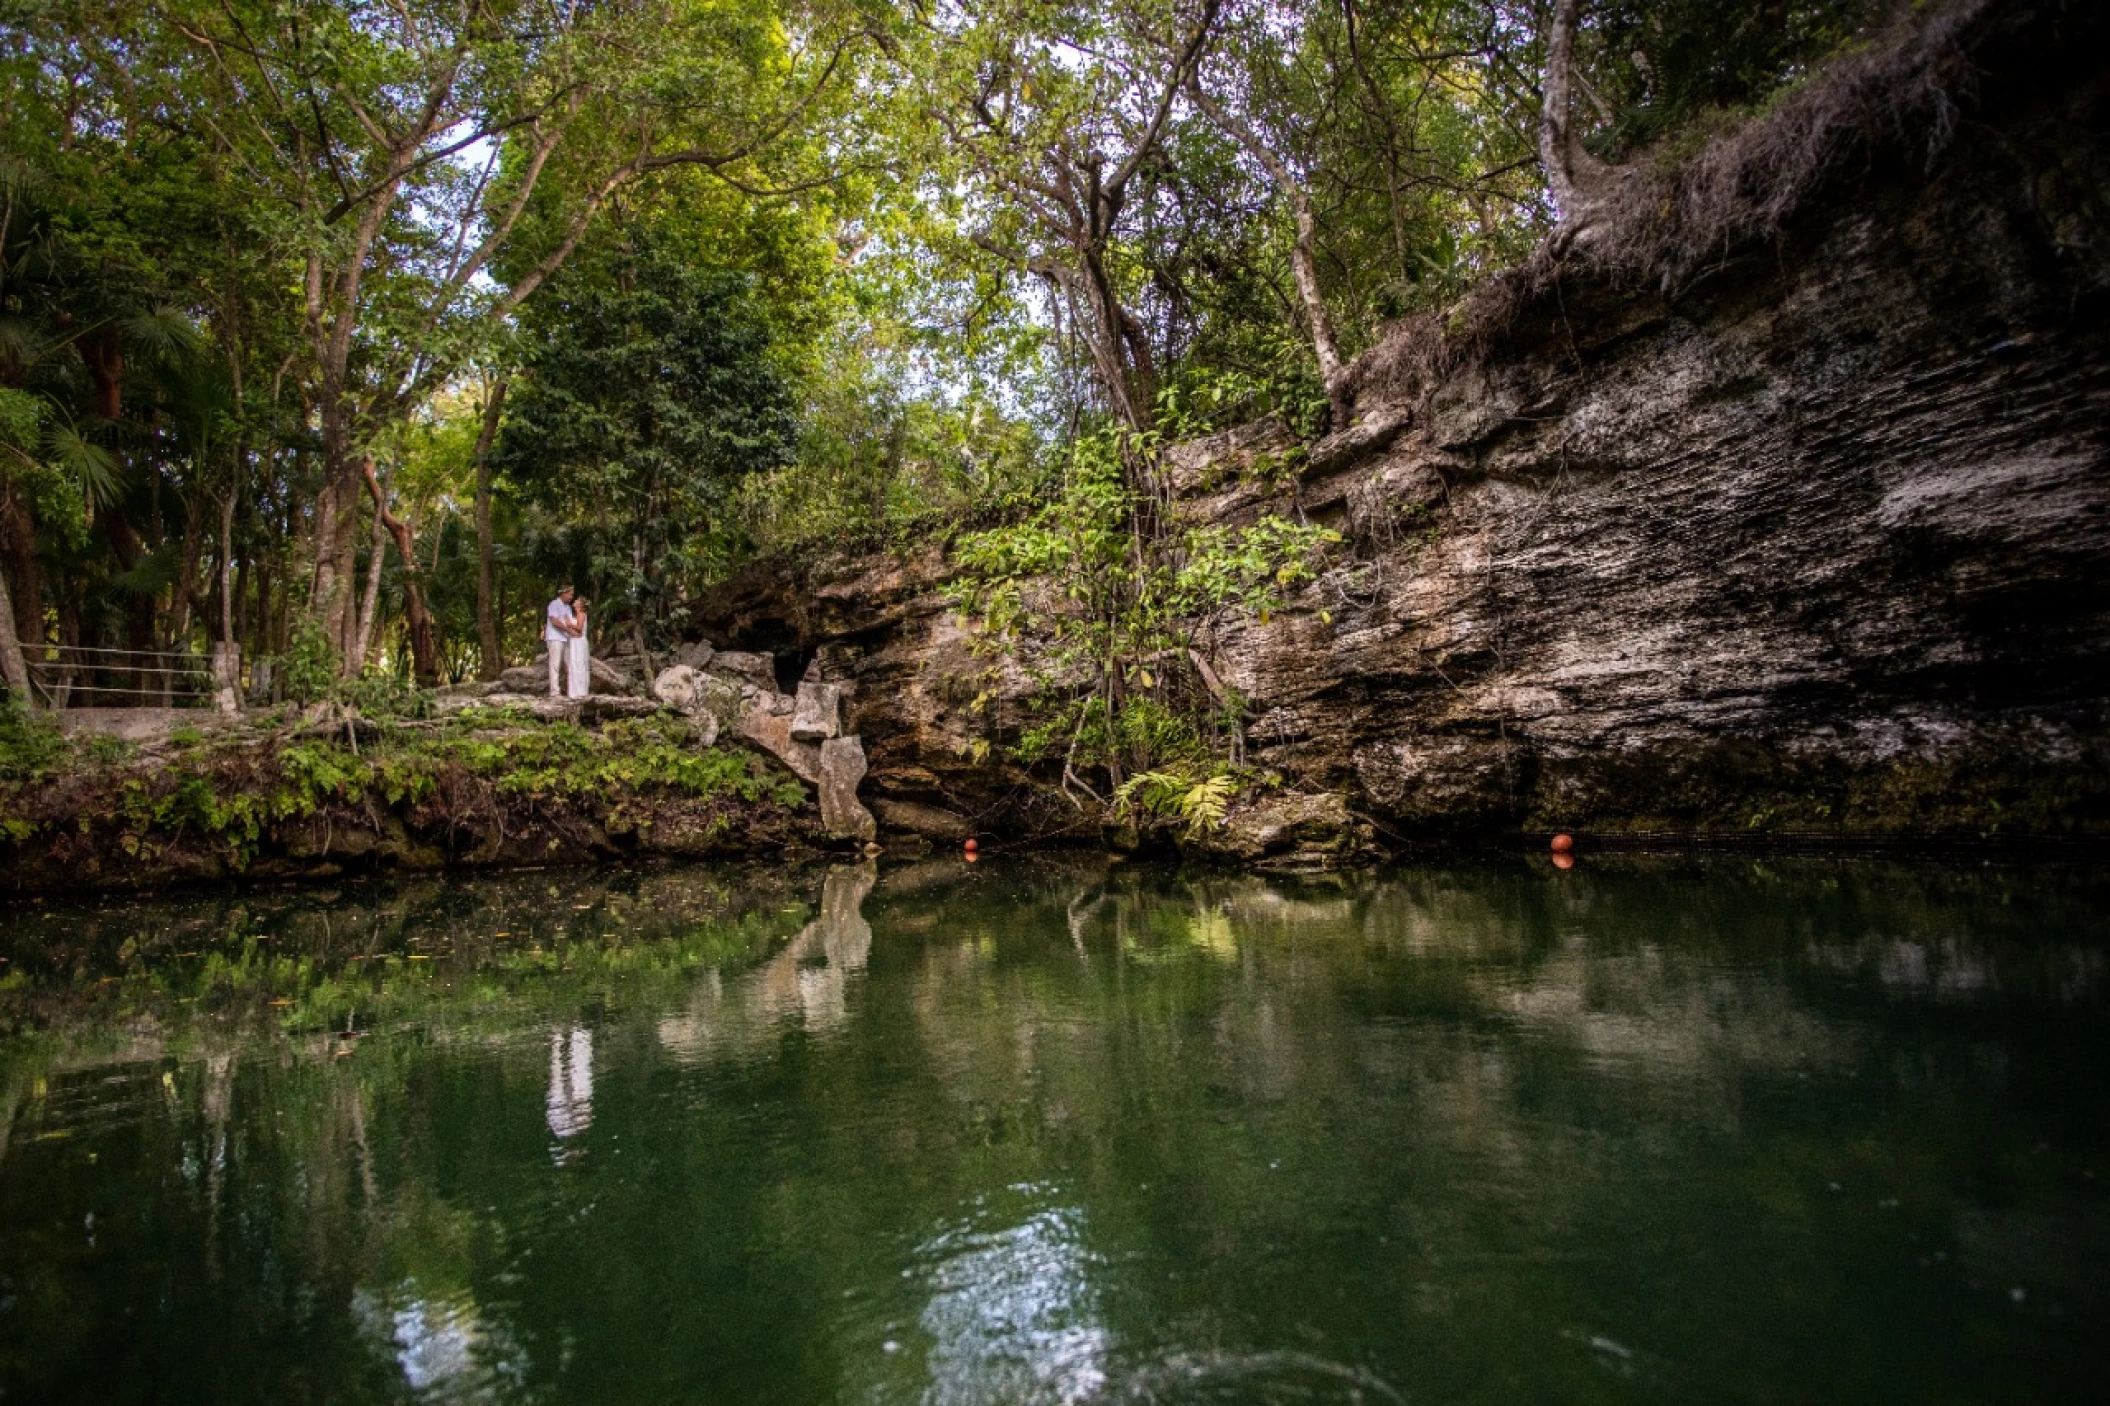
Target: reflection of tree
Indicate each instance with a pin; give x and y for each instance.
(1059, 1099)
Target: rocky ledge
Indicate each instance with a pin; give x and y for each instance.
(1815, 542)
(713, 763)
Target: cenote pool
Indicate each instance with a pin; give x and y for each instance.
(1649, 1129)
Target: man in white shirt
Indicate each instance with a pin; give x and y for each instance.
(557, 630)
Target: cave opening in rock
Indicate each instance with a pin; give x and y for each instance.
(791, 667)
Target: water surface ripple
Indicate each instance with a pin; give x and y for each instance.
(1038, 1131)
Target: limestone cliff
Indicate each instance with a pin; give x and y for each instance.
(1813, 537)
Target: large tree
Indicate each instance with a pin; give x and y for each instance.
(649, 390)
(410, 150)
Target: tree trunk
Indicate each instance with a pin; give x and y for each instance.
(102, 353)
(491, 656)
(18, 562)
(125, 545)
(1303, 260)
(69, 634)
(336, 544)
(424, 653)
(370, 606)
(224, 582)
(14, 670)
(1572, 175)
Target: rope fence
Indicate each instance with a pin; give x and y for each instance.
(86, 676)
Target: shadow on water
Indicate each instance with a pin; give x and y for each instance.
(1062, 1131)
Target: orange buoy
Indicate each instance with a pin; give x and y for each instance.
(972, 846)
(1563, 844)
(1564, 861)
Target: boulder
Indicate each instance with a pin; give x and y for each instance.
(701, 697)
(759, 670)
(1287, 831)
(771, 732)
(679, 686)
(817, 714)
(534, 678)
(524, 678)
(697, 654)
(842, 767)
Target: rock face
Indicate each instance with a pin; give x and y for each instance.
(843, 816)
(1820, 543)
(817, 712)
(1292, 831)
(756, 670)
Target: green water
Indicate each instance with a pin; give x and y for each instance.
(1643, 1130)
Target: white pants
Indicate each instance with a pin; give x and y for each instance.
(557, 650)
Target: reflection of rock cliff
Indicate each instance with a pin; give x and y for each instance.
(806, 981)
(1821, 540)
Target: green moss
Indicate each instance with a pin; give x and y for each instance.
(416, 790)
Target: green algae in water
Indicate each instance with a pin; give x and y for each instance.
(1027, 1131)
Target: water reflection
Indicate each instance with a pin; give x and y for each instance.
(441, 1344)
(1068, 1132)
(1012, 1314)
(807, 982)
(570, 1103)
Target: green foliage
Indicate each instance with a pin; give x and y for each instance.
(1112, 604)
(1204, 399)
(1674, 62)
(383, 694)
(307, 671)
(102, 749)
(650, 389)
(31, 745)
(1197, 800)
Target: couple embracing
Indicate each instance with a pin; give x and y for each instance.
(564, 632)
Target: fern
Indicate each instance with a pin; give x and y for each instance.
(1198, 802)
(1206, 801)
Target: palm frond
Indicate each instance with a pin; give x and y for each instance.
(163, 333)
(21, 341)
(86, 462)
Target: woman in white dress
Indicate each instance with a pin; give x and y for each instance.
(578, 666)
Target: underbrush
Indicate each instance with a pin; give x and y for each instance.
(464, 781)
